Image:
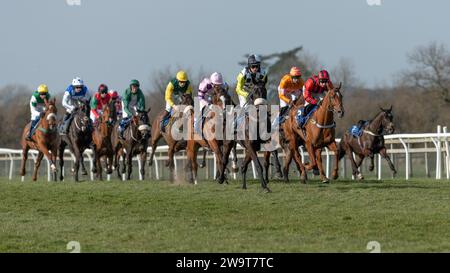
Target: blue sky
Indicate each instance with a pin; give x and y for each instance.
(112, 41)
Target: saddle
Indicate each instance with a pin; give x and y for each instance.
(302, 120)
(357, 129)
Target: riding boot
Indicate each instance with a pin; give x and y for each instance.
(66, 123)
(30, 132)
(283, 112)
(163, 120)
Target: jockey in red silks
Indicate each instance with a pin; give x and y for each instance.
(117, 100)
(314, 90)
(100, 99)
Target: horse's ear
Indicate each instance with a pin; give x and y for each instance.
(149, 109)
(390, 109)
(339, 86)
(381, 108)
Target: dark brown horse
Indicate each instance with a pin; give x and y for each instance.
(101, 137)
(253, 144)
(371, 142)
(45, 140)
(78, 139)
(320, 130)
(137, 135)
(174, 145)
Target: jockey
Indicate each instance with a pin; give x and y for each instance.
(77, 90)
(117, 100)
(177, 87)
(251, 74)
(101, 98)
(290, 89)
(314, 90)
(208, 85)
(37, 107)
(133, 97)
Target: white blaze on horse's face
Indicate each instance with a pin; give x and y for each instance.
(222, 98)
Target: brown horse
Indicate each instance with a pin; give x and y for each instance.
(78, 139)
(174, 145)
(290, 142)
(101, 137)
(369, 143)
(257, 96)
(137, 135)
(320, 130)
(45, 140)
(207, 139)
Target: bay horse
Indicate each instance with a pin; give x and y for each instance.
(371, 142)
(174, 145)
(101, 137)
(45, 140)
(79, 137)
(137, 135)
(207, 137)
(320, 130)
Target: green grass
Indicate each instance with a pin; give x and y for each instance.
(403, 216)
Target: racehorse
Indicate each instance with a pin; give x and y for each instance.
(290, 142)
(369, 143)
(101, 137)
(206, 138)
(256, 97)
(320, 130)
(45, 140)
(174, 145)
(137, 135)
(79, 137)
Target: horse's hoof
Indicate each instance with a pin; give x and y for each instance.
(201, 165)
(325, 181)
(360, 176)
(302, 181)
(267, 190)
(316, 172)
(84, 172)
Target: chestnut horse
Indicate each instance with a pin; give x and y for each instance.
(45, 140)
(101, 136)
(207, 139)
(320, 130)
(174, 145)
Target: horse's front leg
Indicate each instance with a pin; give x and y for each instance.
(143, 158)
(129, 163)
(61, 149)
(37, 165)
(259, 169)
(24, 160)
(78, 159)
(312, 156)
(267, 165)
(323, 177)
(244, 166)
(277, 164)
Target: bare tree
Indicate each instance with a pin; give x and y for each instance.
(431, 69)
(344, 72)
